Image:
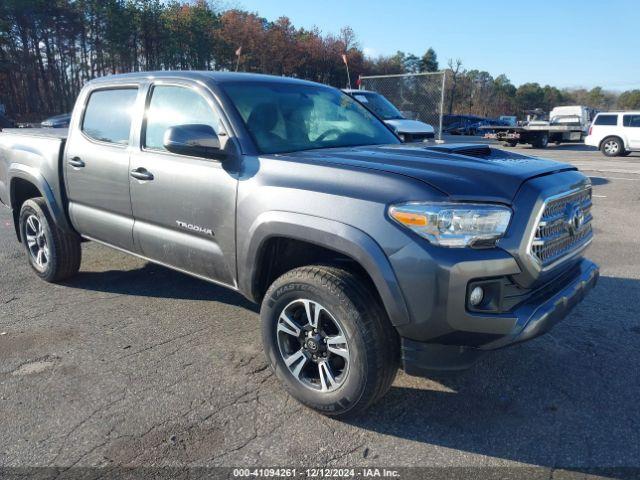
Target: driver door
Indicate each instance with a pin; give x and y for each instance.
(183, 206)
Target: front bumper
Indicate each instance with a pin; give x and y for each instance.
(409, 137)
(543, 310)
(535, 316)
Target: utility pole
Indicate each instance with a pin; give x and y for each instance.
(344, 59)
(238, 53)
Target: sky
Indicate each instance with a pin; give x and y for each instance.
(565, 43)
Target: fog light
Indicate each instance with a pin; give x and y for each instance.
(477, 294)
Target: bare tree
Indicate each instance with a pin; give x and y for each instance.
(348, 38)
(454, 73)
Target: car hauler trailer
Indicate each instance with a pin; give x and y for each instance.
(565, 125)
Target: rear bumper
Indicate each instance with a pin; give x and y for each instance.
(533, 317)
(591, 141)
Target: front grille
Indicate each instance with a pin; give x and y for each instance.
(559, 232)
(417, 137)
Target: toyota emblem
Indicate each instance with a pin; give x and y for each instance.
(574, 219)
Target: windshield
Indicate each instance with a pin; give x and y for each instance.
(379, 105)
(286, 117)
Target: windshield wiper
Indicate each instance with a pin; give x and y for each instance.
(327, 147)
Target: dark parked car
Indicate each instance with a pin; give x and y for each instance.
(59, 121)
(6, 122)
(467, 124)
(459, 124)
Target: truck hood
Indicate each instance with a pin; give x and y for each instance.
(461, 171)
(404, 125)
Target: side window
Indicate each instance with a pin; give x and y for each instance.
(170, 106)
(631, 121)
(606, 120)
(107, 116)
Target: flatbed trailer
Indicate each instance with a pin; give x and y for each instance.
(538, 136)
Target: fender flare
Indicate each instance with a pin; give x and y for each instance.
(34, 177)
(329, 234)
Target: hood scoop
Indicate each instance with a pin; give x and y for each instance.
(468, 150)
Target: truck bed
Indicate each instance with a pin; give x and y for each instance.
(33, 154)
(534, 128)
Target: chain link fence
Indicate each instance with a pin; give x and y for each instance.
(419, 96)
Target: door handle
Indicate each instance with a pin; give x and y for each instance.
(141, 174)
(76, 162)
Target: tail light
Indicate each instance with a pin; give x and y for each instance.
(590, 129)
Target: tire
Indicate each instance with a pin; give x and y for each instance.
(347, 302)
(541, 141)
(612, 147)
(61, 252)
(510, 144)
(626, 153)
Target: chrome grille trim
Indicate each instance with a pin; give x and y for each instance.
(551, 241)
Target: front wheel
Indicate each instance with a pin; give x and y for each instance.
(328, 339)
(53, 253)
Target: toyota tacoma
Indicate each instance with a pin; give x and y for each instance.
(366, 254)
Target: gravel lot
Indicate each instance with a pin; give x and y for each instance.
(131, 364)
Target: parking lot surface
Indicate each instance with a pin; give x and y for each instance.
(131, 364)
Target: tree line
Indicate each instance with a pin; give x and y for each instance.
(50, 48)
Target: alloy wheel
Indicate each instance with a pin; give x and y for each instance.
(611, 147)
(37, 242)
(313, 345)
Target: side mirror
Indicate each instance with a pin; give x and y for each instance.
(195, 140)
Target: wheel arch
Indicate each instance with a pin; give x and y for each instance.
(26, 183)
(344, 242)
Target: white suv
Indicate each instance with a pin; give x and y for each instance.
(615, 133)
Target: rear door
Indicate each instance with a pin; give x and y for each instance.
(631, 126)
(97, 166)
(605, 124)
(185, 211)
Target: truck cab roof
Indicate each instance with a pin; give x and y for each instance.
(201, 75)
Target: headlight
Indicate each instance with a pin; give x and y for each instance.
(453, 224)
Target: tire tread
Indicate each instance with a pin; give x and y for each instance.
(381, 338)
(66, 245)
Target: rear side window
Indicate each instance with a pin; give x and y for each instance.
(631, 121)
(606, 120)
(107, 117)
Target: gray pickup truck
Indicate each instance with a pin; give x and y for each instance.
(366, 254)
